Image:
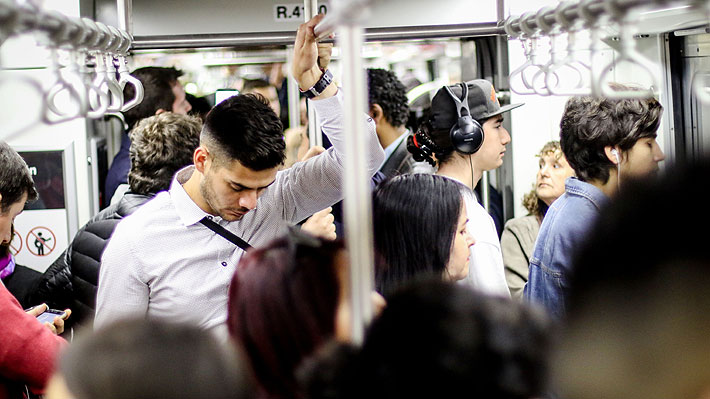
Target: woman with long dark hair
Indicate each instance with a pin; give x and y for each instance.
(420, 231)
(464, 137)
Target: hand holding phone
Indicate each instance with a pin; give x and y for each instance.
(49, 315)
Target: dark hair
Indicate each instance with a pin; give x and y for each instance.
(427, 141)
(441, 340)
(200, 106)
(251, 84)
(15, 178)
(638, 291)
(158, 83)
(160, 146)
(151, 359)
(386, 90)
(415, 219)
(589, 124)
(282, 305)
(245, 128)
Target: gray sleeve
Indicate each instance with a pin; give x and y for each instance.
(310, 186)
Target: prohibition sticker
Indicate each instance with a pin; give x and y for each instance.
(41, 241)
(16, 244)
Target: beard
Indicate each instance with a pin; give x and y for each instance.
(210, 196)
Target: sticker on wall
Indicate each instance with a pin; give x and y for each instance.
(41, 241)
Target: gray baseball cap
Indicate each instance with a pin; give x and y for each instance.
(482, 102)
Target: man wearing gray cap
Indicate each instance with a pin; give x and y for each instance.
(464, 136)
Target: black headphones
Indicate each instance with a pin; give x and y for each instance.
(467, 134)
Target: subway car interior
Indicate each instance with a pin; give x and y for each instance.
(609, 301)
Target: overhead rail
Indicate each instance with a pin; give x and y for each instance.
(88, 62)
(256, 39)
(548, 74)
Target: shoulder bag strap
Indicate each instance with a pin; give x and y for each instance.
(233, 238)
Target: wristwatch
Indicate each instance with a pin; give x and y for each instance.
(320, 86)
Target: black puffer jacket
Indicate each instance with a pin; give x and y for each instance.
(71, 281)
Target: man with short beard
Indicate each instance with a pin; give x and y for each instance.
(174, 258)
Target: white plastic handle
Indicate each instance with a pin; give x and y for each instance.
(628, 54)
(127, 78)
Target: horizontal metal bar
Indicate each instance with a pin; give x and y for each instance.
(60, 29)
(582, 11)
(287, 38)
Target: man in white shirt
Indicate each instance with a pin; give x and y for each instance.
(465, 137)
(163, 262)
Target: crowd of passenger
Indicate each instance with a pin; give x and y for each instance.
(219, 270)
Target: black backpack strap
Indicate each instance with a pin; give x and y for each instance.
(233, 238)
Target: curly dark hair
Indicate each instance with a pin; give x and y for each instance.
(389, 93)
(160, 146)
(158, 93)
(589, 124)
(244, 128)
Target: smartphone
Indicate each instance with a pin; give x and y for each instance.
(223, 94)
(50, 314)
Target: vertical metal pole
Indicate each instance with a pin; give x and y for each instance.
(125, 15)
(294, 101)
(358, 204)
(485, 192)
(310, 9)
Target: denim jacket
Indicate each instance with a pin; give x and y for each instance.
(563, 230)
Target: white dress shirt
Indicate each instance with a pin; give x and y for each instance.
(162, 263)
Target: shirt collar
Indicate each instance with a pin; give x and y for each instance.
(583, 189)
(393, 146)
(186, 208)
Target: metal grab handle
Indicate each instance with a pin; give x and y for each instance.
(569, 62)
(69, 85)
(114, 88)
(99, 99)
(127, 78)
(106, 80)
(628, 54)
(547, 72)
(521, 71)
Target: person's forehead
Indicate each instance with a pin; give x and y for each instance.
(237, 173)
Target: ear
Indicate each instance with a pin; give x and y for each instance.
(376, 113)
(613, 154)
(201, 159)
(160, 111)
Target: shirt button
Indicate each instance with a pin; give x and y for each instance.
(224, 264)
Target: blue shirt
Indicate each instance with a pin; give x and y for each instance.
(562, 232)
(118, 172)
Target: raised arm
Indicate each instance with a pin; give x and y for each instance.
(315, 184)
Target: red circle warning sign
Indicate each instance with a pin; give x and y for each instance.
(41, 241)
(16, 243)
